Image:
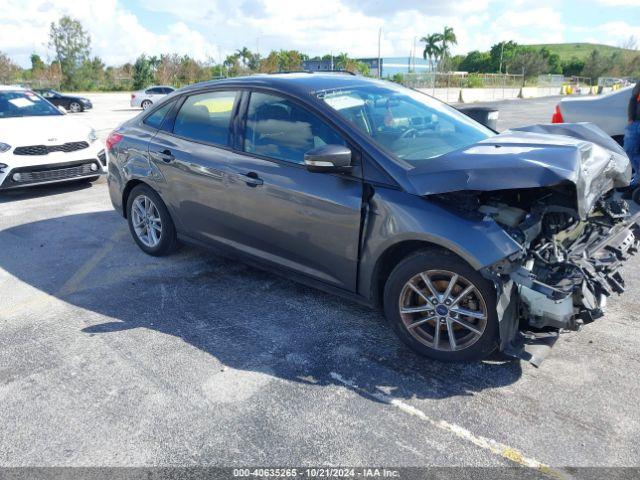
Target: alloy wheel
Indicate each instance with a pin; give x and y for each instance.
(75, 107)
(146, 221)
(443, 310)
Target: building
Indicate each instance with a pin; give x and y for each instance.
(390, 65)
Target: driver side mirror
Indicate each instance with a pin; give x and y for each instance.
(328, 158)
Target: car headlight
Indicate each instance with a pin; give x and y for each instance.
(92, 136)
(4, 147)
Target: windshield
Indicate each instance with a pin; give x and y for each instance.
(409, 124)
(25, 104)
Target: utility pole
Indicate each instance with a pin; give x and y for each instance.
(501, 53)
(379, 63)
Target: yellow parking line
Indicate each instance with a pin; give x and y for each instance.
(497, 448)
(72, 285)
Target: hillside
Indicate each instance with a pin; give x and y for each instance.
(579, 50)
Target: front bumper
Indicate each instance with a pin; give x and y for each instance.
(41, 170)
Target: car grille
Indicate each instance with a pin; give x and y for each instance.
(30, 175)
(46, 149)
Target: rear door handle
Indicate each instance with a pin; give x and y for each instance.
(165, 155)
(252, 179)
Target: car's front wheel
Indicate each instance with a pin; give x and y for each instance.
(150, 222)
(441, 307)
(75, 107)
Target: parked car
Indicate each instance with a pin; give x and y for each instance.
(70, 103)
(39, 144)
(147, 97)
(383, 194)
(608, 111)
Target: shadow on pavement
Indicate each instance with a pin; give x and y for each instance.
(246, 318)
(38, 191)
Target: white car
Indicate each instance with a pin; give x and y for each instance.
(39, 144)
(147, 97)
(609, 111)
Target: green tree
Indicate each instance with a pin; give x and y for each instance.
(432, 49)
(71, 44)
(529, 62)
(37, 65)
(9, 71)
(475, 61)
(501, 54)
(596, 66)
(572, 67)
(142, 73)
(447, 39)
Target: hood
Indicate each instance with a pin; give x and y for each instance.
(530, 157)
(49, 130)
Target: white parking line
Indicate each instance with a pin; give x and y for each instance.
(493, 446)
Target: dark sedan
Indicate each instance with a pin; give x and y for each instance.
(70, 103)
(469, 240)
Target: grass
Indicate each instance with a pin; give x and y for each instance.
(579, 50)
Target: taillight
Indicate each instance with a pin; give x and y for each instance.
(112, 140)
(557, 116)
(133, 95)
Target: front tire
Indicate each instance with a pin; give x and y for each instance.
(150, 223)
(441, 307)
(75, 107)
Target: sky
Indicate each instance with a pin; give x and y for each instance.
(210, 29)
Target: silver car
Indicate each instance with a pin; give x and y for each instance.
(609, 111)
(147, 97)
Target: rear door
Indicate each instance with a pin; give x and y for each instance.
(194, 155)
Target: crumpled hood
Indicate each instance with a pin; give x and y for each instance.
(529, 157)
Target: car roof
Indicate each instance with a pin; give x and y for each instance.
(12, 88)
(301, 83)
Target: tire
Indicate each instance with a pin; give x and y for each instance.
(146, 104)
(75, 107)
(167, 241)
(440, 267)
(636, 195)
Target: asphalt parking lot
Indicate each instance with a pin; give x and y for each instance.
(109, 357)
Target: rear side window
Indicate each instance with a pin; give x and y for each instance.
(205, 117)
(155, 119)
(281, 129)
(167, 90)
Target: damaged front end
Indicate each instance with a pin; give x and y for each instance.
(567, 268)
(575, 235)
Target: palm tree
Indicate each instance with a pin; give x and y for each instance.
(448, 37)
(431, 49)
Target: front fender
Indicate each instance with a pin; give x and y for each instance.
(395, 217)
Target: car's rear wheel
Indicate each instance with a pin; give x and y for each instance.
(441, 307)
(75, 107)
(150, 222)
(146, 104)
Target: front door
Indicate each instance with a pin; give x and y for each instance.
(307, 222)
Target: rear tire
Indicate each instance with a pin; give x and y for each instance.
(150, 223)
(146, 104)
(427, 322)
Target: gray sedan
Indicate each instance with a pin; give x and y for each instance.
(470, 241)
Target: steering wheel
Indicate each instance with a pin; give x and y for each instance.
(409, 133)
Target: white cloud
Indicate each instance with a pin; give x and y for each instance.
(117, 36)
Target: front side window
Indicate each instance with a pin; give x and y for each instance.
(410, 125)
(281, 129)
(155, 119)
(25, 104)
(205, 117)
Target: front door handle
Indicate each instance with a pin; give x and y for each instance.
(252, 179)
(165, 155)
